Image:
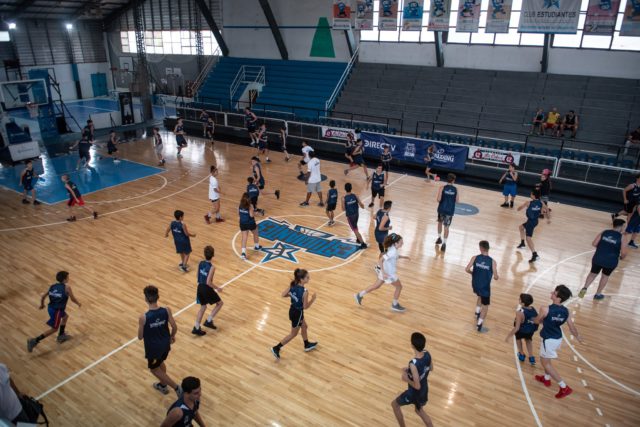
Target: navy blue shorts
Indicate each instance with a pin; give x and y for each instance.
(55, 317)
(28, 186)
(510, 189)
(296, 316)
(155, 362)
(418, 398)
(84, 155)
(380, 236)
(529, 226)
(358, 160)
(248, 227)
(331, 207)
(183, 248)
(181, 141)
(353, 222)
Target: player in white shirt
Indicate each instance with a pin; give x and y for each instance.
(313, 179)
(386, 271)
(306, 149)
(214, 196)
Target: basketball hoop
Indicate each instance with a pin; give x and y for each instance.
(33, 110)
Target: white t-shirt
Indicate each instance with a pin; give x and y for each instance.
(389, 261)
(213, 188)
(305, 152)
(314, 169)
(10, 406)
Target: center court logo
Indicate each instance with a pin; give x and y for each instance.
(290, 238)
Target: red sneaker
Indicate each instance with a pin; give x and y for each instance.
(207, 219)
(564, 392)
(219, 220)
(540, 378)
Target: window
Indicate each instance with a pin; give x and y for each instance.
(169, 42)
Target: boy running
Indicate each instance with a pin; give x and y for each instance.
(524, 327)
(181, 238)
(482, 268)
(75, 198)
(378, 184)
(350, 204)
(386, 158)
(204, 119)
(59, 294)
(534, 209)
(447, 199)
(332, 202)
(26, 181)
(383, 224)
(179, 132)
(263, 142)
(158, 147)
(256, 169)
(358, 159)
(111, 146)
(283, 141)
(214, 195)
(254, 192)
(207, 294)
(209, 129)
(84, 151)
(250, 120)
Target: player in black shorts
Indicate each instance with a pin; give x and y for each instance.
(207, 294)
(283, 141)
(630, 198)
(84, 151)
(386, 158)
(179, 132)
(332, 202)
(251, 120)
(210, 127)
(111, 146)
(26, 181)
(524, 327)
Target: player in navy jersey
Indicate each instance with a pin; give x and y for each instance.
(256, 170)
(251, 121)
(378, 183)
(204, 119)
(180, 133)
(534, 208)
(75, 198)
(181, 238)
(332, 202)
(386, 271)
(248, 225)
(89, 131)
(383, 224)
(206, 294)
(300, 301)
(184, 411)
(209, 130)
(447, 199)
(415, 375)
(26, 181)
(552, 318)
(84, 151)
(509, 180)
(350, 204)
(386, 158)
(610, 248)
(358, 160)
(111, 146)
(158, 146)
(263, 142)
(254, 193)
(153, 329)
(428, 159)
(630, 197)
(524, 327)
(482, 268)
(59, 294)
(633, 228)
(283, 141)
(349, 144)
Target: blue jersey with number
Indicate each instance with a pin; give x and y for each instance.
(608, 249)
(203, 271)
(481, 275)
(157, 340)
(351, 204)
(58, 296)
(332, 196)
(528, 326)
(296, 293)
(447, 205)
(556, 317)
(380, 235)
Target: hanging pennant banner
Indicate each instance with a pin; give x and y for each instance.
(364, 15)
(549, 16)
(341, 15)
(631, 19)
(388, 15)
(601, 17)
(439, 15)
(498, 16)
(468, 16)
(412, 15)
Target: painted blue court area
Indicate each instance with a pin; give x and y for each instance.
(99, 175)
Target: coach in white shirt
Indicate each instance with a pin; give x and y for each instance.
(214, 196)
(10, 406)
(313, 179)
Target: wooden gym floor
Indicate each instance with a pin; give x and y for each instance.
(99, 378)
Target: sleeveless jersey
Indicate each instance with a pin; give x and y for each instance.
(74, 190)
(447, 205)
(481, 275)
(157, 340)
(84, 145)
(508, 179)
(157, 140)
(27, 178)
(255, 174)
(179, 129)
(332, 196)
(58, 296)
(423, 365)
(351, 204)
(203, 272)
(248, 118)
(377, 181)
(528, 325)
(534, 210)
(209, 126)
(245, 216)
(633, 195)
(556, 317)
(253, 191)
(386, 157)
(188, 415)
(204, 117)
(296, 293)
(86, 133)
(264, 137)
(179, 236)
(608, 249)
(380, 235)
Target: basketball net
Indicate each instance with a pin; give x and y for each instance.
(33, 110)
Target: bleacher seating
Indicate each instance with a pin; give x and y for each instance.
(498, 105)
(303, 84)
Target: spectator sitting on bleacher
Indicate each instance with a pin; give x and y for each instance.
(538, 120)
(552, 122)
(570, 121)
(633, 140)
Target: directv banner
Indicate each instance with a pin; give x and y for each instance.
(494, 156)
(631, 19)
(412, 15)
(414, 150)
(549, 16)
(439, 15)
(341, 15)
(388, 15)
(468, 16)
(498, 16)
(601, 17)
(364, 15)
(336, 133)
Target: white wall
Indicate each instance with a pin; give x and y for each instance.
(257, 41)
(64, 76)
(398, 53)
(508, 58)
(591, 62)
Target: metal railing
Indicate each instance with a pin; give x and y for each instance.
(595, 174)
(343, 79)
(247, 74)
(211, 62)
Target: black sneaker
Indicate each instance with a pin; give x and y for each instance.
(310, 346)
(511, 204)
(371, 204)
(278, 194)
(31, 344)
(438, 241)
(534, 257)
(276, 352)
(304, 204)
(363, 245)
(71, 218)
(209, 325)
(25, 202)
(199, 332)
(521, 246)
(504, 205)
(35, 202)
(321, 204)
(443, 247)
(261, 211)
(95, 215)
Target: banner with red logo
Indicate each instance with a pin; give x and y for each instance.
(494, 155)
(337, 133)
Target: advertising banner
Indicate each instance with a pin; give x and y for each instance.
(388, 15)
(414, 150)
(498, 16)
(631, 19)
(336, 133)
(364, 15)
(549, 16)
(601, 17)
(494, 156)
(439, 15)
(412, 15)
(468, 16)
(341, 15)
